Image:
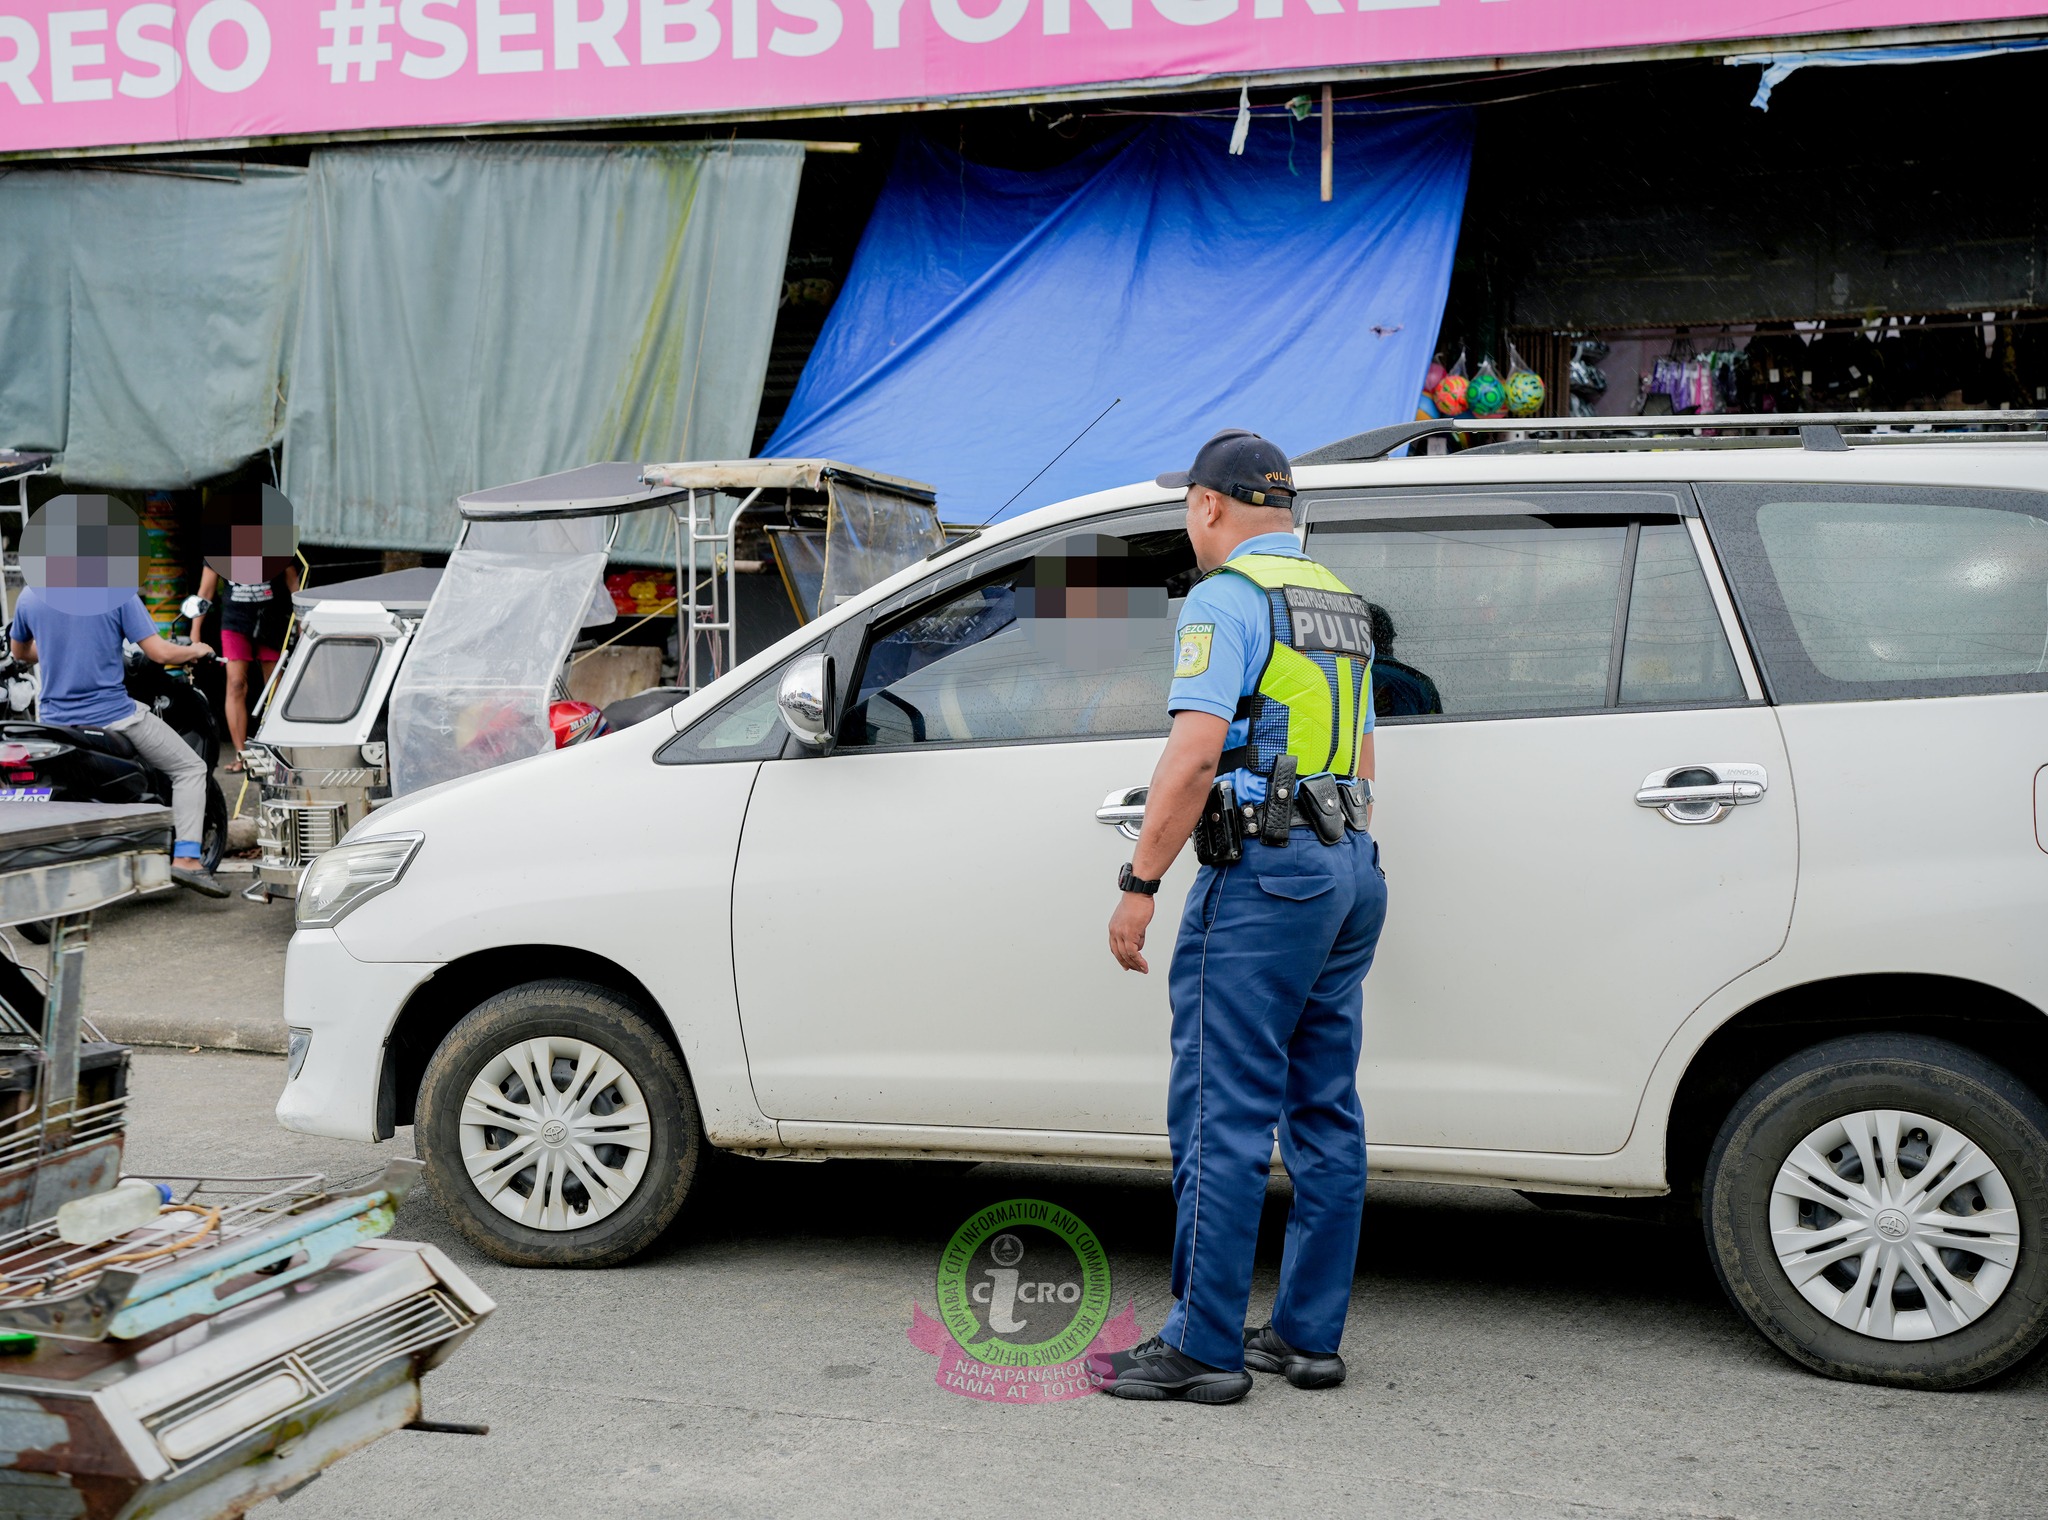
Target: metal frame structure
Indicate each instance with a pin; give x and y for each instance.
(15, 470)
(694, 527)
(1822, 431)
(704, 530)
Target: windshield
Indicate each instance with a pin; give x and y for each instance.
(476, 684)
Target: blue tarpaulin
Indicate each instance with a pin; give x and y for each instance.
(991, 314)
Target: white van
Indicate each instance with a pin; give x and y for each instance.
(1711, 784)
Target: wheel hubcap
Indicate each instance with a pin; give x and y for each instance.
(1895, 1225)
(555, 1133)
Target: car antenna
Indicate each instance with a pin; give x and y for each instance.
(1052, 461)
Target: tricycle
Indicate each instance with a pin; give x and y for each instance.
(401, 681)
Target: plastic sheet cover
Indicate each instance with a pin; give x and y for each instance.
(869, 536)
(478, 313)
(476, 683)
(991, 315)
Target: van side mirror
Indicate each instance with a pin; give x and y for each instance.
(808, 700)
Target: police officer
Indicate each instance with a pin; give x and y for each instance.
(1272, 687)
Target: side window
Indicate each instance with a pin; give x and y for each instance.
(1857, 593)
(333, 680)
(1074, 641)
(1675, 651)
(747, 727)
(1488, 606)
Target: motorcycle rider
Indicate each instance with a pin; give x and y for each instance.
(81, 659)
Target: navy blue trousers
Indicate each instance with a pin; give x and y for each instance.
(1266, 989)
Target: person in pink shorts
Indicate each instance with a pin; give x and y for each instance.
(252, 624)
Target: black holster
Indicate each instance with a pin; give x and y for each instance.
(1219, 832)
(1277, 818)
(1322, 803)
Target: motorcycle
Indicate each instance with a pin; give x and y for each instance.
(56, 762)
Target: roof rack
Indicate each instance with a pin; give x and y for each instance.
(1811, 430)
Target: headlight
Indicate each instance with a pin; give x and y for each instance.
(351, 874)
(261, 762)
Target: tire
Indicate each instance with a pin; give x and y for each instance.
(213, 839)
(642, 1183)
(1865, 1317)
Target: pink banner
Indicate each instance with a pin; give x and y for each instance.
(172, 71)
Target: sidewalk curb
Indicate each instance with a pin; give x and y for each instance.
(248, 1036)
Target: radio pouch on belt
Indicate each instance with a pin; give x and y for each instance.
(1279, 813)
(1322, 802)
(1219, 832)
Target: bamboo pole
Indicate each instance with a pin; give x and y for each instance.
(1329, 142)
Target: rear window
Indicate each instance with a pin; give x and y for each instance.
(333, 680)
(1853, 594)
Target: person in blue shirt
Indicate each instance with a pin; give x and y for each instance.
(1272, 689)
(78, 647)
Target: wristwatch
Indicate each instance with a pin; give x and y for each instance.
(1127, 882)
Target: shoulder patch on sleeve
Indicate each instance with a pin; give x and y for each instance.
(1193, 658)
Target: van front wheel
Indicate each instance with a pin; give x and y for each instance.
(558, 1127)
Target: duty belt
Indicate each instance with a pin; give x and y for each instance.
(1328, 808)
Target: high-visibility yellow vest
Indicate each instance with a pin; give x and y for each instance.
(1313, 693)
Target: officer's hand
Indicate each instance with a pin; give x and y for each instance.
(1127, 927)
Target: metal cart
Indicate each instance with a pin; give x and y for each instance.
(228, 1349)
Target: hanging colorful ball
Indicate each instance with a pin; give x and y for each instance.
(1426, 409)
(1450, 394)
(1488, 395)
(1435, 377)
(1525, 393)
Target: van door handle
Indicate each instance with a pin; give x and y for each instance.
(1124, 810)
(1702, 793)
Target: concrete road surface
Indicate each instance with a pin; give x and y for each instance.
(1506, 1362)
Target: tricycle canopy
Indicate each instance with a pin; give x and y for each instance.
(834, 529)
(475, 687)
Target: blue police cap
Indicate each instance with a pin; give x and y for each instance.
(1239, 464)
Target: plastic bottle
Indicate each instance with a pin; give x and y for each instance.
(129, 1205)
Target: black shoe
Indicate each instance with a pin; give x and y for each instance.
(1265, 1351)
(1154, 1370)
(199, 879)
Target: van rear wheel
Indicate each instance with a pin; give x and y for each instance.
(558, 1127)
(1878, 1207)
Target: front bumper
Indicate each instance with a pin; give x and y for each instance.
(348, 1007)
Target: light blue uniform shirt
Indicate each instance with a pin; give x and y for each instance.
(1222, 640)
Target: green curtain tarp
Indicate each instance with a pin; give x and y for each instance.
(475, 314)
(144, 316)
